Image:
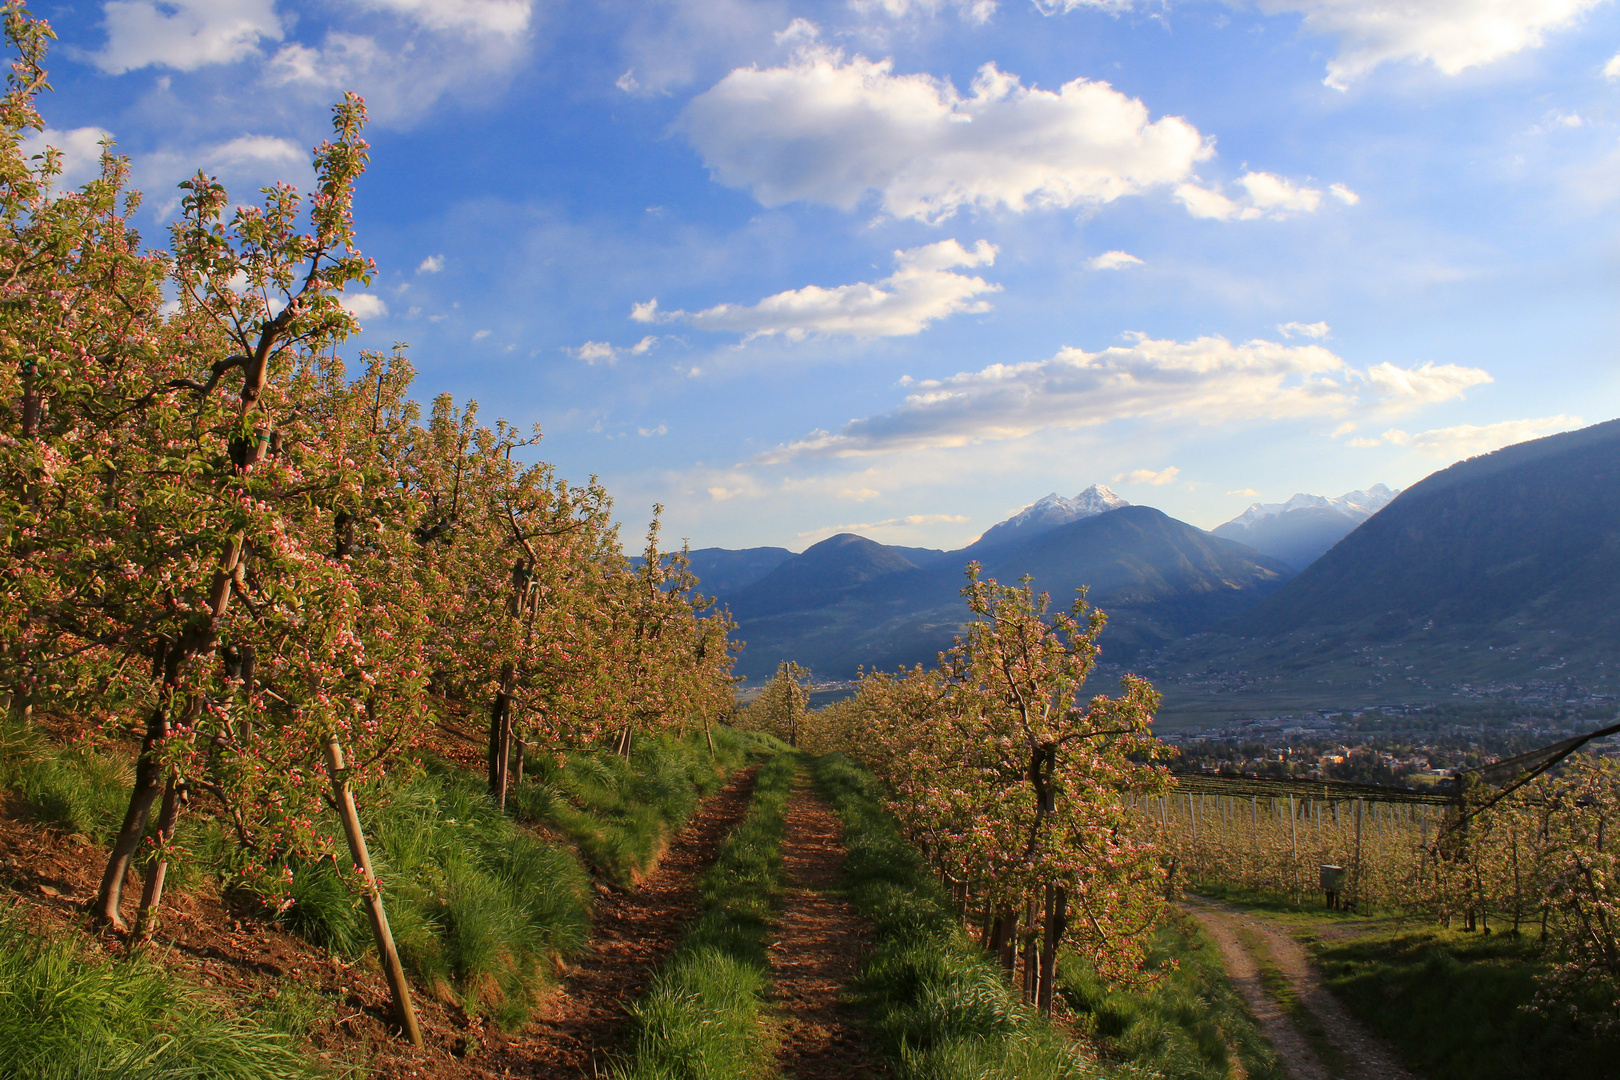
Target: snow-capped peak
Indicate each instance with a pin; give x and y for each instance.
(1053, 510)
(1356, 505)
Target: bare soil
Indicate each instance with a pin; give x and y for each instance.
(1363, 1055)
(818, 945)
(243, 961)
(580, 1025)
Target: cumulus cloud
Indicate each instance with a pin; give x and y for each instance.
(80, 148)
(975, 12)
(908, 522)
(1261, 195)
(922, 289)
(1244, 493)
(1467, 440)
(647, 433)
(829, 129)
(601, 352)
(1157, 478)
(1453, 35)
(363, 305)
(430, 265)
(1209, 379)
(1114, 260)
(1611, 70)
(184, 34)
(1427, 385)
(506, 18)
(1317, 330)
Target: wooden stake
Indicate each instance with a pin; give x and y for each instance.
(343, 798)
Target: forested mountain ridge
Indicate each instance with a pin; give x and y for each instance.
(848, 602)
(1504, 567)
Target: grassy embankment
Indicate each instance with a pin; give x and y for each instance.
(937, 1004)
(481, 906)
(702, 1017)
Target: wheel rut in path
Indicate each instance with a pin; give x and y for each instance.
(631, 934)
(1363, 1056)
(817, 947)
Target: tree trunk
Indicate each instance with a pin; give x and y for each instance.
(1032, 961)
(343, 798)
(141, 798)
(708, 736)
(146, 918)
(1057, 923)
(500, 735)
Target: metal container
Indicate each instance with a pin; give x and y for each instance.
(1332, 878)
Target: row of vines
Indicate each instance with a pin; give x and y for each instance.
(266, 564)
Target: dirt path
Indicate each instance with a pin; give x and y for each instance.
(631, 934)
(817, 947)
(1362, 1056)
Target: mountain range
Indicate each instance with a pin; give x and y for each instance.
(1300, 530)
(849, 601)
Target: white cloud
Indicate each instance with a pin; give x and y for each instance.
(1114, 260)
(341, 61)
(1156, 478)
(1244, 493)
(828, 129)
(506, 18)
(976, 12)
(364, 305)
(601, 352)
(1317, 330)
(1208, 379)
(1453, 35)
(596, 352)
(253, 150)
(1611, 70)
(910, 521)
(1466, 440)
(922, 289)
(1427, 385)
(430, 265)
(647, 433)
(1263, 195)
(81, 152)
(479, 335)
(649, 313)
(184, 34)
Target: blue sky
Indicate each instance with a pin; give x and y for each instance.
(901, 267)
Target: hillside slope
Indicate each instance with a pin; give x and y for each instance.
(1158, 579)
(1501, 569)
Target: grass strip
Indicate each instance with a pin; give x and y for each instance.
(67, 1014)
(1187, 1023)
(937, 1004)
(1457, 1005)
(702, 1017)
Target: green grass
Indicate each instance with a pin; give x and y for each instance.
(937, 1006)
(78, 789)
(67, 1014)
(479, 907)
(701, 1019)
(618, 814)
(1187, 1023)
(1453, 1004)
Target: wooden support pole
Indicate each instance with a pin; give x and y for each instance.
(343, 798)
